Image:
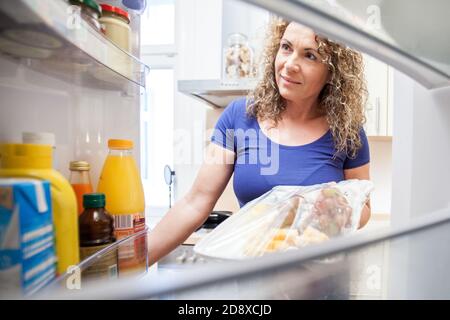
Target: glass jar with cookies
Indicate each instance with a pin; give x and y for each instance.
(238, 58)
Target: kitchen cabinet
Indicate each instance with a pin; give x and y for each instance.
(379, 101)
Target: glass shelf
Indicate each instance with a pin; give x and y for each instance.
(407, 262)
(47, 37)
(407, 34)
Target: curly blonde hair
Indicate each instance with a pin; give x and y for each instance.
(341, 101)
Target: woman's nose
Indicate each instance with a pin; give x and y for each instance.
(292, 66)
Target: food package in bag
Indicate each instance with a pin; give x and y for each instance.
(287, 218)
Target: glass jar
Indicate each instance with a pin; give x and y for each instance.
(238, 57)
(80, 181)
(116, 26)
(90, 12)
(96, 232)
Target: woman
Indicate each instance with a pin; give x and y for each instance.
(302, 125)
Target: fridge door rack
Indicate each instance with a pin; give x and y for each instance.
(370, 27)
(50, 37)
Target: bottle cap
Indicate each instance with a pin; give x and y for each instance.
(47, 138)
(89, 3)
(94, 200)
(116, 10)
(120, 144)
(79, 166)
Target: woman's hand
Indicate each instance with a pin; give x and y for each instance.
(361, 173)
(332, 212)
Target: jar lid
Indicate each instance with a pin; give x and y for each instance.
(117, 10)
(236, 38)
(47, 138)
(120, 144)
(94, 200)
(79, 166)
(89, 3)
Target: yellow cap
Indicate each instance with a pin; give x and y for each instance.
(36, 156)
(79, 166)
(120, 144)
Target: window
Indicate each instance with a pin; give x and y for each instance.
(158, 135)
(158, 23)
(158, 52)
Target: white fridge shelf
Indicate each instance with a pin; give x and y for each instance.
(48, 37)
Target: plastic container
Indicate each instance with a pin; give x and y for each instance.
(121, 183)
(35, 161)
(46, 138)
(288, 218)
(90, 11)
(116, 26)
(96, 232)
(238, 58)
(80, 181)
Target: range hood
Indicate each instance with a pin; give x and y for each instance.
(216, 93)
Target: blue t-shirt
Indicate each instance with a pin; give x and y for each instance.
(262, 164)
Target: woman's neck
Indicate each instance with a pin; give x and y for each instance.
(301, 112)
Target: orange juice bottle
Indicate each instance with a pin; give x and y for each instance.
(121, 183)
(80, 181)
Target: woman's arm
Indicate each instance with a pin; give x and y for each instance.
(361, 173)
(193, 209)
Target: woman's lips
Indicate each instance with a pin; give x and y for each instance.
(289, 80)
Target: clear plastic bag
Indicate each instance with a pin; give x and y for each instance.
(288, 217)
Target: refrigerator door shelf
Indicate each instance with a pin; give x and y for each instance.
(52, 38)
(417, 49)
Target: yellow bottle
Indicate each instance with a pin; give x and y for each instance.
(121, 183)
(35, 161)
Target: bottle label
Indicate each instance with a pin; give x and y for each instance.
(132, 254)
(105, 267)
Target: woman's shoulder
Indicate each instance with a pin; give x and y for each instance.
(237, 106)
(237, 110)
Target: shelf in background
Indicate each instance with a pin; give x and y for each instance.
(47, 37)
(380, 138)
(216, 93)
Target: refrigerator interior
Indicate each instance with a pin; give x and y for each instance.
(85, 91)
(61, 94)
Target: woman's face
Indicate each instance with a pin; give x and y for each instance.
(299, 71)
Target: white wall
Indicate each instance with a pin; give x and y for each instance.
(197, 35)
(32, 101)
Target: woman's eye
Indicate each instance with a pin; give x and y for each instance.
(284, 46)
(311, 56)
